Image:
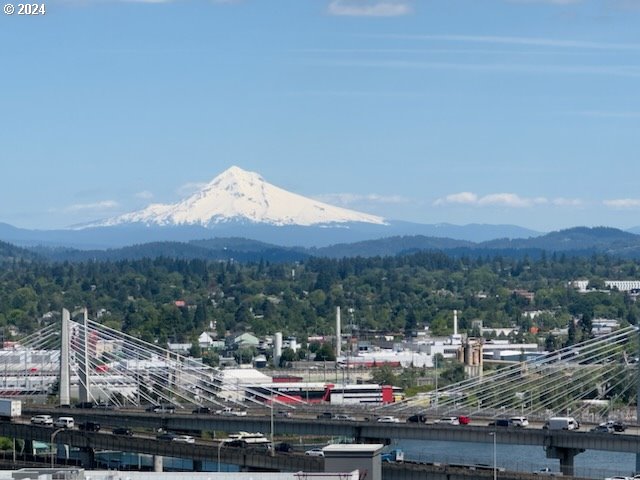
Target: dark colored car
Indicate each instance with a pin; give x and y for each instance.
(616, 425)
(89, 427)
(418, 418)
(500, 422)
(84, 405)
(236, 443)
(167, 436)
(284, 447)
(205, 410)
(325, 416)
(122, 431)
(603, 428)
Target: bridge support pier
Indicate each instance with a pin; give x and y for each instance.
(197, 466)
(87, 458)
(27, 448)
(566, 456)
(157, 463)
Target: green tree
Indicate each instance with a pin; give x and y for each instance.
(288, 356)
(453, 373)
(325, 353)
(384, 375)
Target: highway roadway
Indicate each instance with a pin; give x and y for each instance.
(477, 432)
(146, 443)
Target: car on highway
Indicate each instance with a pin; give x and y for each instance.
(344, 417)
(283, 414)
(89, 426)
(64, 422)
(500, 422)
(448, 421)
(616, 425)
(417, 418)
(161, 409)
(127, 432)
(183, 439)
(388, 419)
(325, 416)
(603, 428)
(230, 412)
(284, 447)
(546, 471)
(42, 420)
(202, 410)
(519, 422)
(314, 452)
(167, 436)
(464, 420)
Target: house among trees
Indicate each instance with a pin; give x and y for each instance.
(246, 340)
(205, 341)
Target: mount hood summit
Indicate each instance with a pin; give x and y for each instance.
(237, 195)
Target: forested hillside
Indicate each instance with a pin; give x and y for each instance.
(391, 294)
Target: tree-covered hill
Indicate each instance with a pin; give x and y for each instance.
(581, 241)
(240, 250)
(176, 299)
(11, 253)
(597, 239)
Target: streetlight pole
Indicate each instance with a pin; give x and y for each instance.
(220, 443)
(272, 444)
(495, 465)
(435, 359)
(54, 449)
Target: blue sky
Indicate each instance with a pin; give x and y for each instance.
(462, 111)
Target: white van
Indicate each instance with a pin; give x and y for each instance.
(519, 421)
(64, 422)
(562, 423)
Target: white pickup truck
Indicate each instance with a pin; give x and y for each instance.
(228, 411)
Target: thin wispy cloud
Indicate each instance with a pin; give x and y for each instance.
(368, 8)
(622, 203)
(356, 93)
(520, 41)
(612, 70)
(347, 199)
(145, 195)
(510, 200)
(147, 1)
(445, 51)
(551, 2)
(189, 188)
(96, 206)
(606, 114)
(567, 202)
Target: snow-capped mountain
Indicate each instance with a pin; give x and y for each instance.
(237, 195)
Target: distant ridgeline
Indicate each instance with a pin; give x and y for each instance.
(579, 241)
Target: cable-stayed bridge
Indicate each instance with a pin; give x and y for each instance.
(591, 380)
